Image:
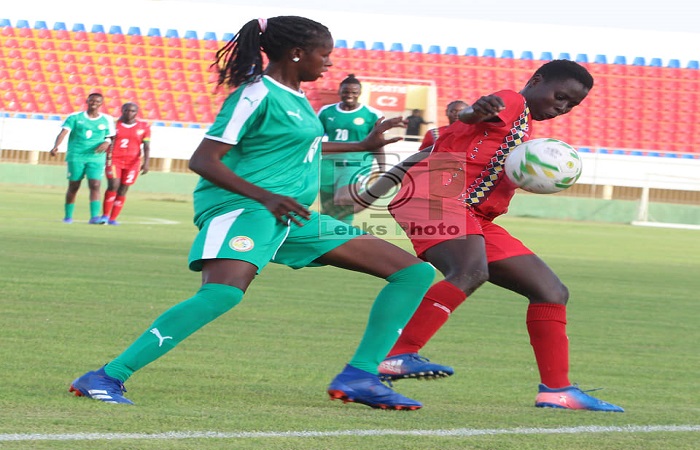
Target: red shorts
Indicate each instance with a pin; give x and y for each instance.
(127, 173)
(426, 227)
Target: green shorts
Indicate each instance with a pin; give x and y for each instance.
(338, 173)
(81, 168)
(255, 236)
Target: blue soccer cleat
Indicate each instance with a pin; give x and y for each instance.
(112, 222)
(411, 365)
(97, 220)
(67, 220)
(571, 397)
(100, 386)
(104, 219)
(359, 386)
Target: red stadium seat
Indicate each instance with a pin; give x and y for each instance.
(29, 44)
(127, 83)
(143, 73)
(82, 47)
(192, 43)
(109, 81)
(177, 76)
(92, 80)
(98, 37)
(119, 49)
(74, 79)
(176, 66)
(156, 52)
(124, 72)
(88, 69)
(106, 71)
(47, 46)
(145, 84)
(159, 75)
(55, 78)
(174, 53)
(138, 50)
(65, 46)
(102, 48)
(139, 63)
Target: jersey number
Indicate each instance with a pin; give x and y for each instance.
(341, 135)
(312, 150)
(124, 143)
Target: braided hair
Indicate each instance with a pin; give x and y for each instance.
(241, 59)
(350, 79)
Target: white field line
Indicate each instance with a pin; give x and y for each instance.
(457, 432)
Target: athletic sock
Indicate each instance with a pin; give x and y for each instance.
(173, 326)
(95, 207)
(546, 324)
(437, 305)
(117, 207)
(391, 310)
(108, 202)
(68, 209)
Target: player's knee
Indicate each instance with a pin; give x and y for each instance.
(468, 280)
(559, 295)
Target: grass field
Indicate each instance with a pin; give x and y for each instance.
(73, 296)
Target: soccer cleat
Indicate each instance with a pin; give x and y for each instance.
(97, 220)
(571, 397)
(411, 365)
(359, 386)
(100, 386)
(67, 220)
(112, 222)
(104, 219)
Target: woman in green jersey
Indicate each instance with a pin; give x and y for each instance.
(259, 167)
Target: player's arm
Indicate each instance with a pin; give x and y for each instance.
(389, 180)
(106, 145)
(146, 156)
(59, 139)
(372, 142)
(486, 109)
(206, 162)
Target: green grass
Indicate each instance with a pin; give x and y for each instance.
(74, 296)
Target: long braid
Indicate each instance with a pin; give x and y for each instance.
(241, 60)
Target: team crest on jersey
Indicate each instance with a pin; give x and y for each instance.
(241, 243)
(358, 121)
(140, 132)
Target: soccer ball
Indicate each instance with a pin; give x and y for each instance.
(543, 166)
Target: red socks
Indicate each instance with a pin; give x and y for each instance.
(117, 208)
(432, 313)
(108, 202)
(546, 324)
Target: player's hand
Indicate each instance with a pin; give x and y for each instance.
(144, 169)
(376, 139)
(485, 108)
(102, 148)
(286, 208)
(53, 151)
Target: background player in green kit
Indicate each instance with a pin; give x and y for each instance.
(91, 133)
(346, 121)
(259, 167)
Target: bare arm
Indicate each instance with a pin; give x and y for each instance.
(483, 110)
(146, 156)
(206, 161)
(374, 141)
(59, 139)
(389, 180)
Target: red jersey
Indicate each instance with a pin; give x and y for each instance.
(431, 136)
(465, 169)
(128, 140)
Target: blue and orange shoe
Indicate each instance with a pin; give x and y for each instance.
(359, 386)
(100, 386)
(411, 365)
(571, 397)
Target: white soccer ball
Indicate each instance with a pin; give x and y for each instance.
(543, 166)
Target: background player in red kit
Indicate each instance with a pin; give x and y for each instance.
(124, 160)
(452, 113)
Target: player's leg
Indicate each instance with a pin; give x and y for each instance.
(408, 278)
(227, 270)
(94, 171)
(75, 171)
(128, 177)
(462, 261)
(113, 176)
(529, 276)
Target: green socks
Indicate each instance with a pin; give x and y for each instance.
(173, 326)
(95, 207)
(68, 209)
(390, 312)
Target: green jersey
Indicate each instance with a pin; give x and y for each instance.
(86, 134)
(348, 126)
(275, 136)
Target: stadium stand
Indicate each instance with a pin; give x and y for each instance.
(641, 106)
